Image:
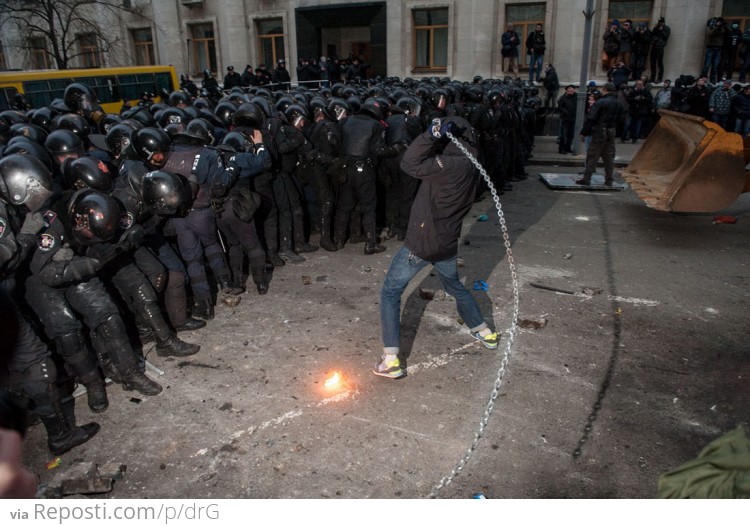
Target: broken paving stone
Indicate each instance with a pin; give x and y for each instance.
(440, 295)
(534, 323)
(427, 294)
(568, 256)
(231, 300)
(306, 279)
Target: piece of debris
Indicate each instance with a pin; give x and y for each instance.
(83, 478)
(306, 279)
(568, 256)
(551, 288)
(460, 262)
(481, 285)
(135, 400)
(466, 242)
(483, 218)
(321, 278)
(368, 269)
(427, 294)
(591, 291)
(535, 323)
(440, 295)
(725, 219)
(231, 300)
(54, 463)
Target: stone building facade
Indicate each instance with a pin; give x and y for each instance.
(405, 38)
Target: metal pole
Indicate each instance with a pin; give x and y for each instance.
(585, 58)
(188, 58)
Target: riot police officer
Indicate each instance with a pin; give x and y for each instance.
(32, 373)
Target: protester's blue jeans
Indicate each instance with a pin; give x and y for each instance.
(535, 66)
(404, 266)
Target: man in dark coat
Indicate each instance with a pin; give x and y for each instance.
(601, 124)
(444, 198)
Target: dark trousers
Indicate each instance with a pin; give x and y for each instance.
(657, 61)
(400, 194)
(287, 194)
(603, 145)
(359, 188)
(567, 134)
(242, 238)
(197, 236)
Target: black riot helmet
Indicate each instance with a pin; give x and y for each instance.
(198, 131)
(11, 116)
(373, 108)
(88, 172)
(164, 192)
(264, 105)
(339, 108)
(319, 106)
(355, 103)
(225, 111)
(283, 103)
(178, 97)
(248, 115)
(24, 180)
(172, 116)
(295, 115)
(237, 141)
(80, 97)
(409, 105)
(151, 145)
(24, 146)
(42, 117)
(175, 129)
(30, 131)
(107, 121)
(440, 98)
(63, 144)
(74, 122)
(118, 139)
(140, 114)
(94, 216)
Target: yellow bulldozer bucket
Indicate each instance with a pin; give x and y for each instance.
(689, 164)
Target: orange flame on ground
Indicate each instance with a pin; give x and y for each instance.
(334, 380)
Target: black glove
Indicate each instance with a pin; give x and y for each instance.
(133, 237)
(104, 252)
(32, 224)
(81, 267)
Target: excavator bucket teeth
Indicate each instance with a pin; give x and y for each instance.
(688, 164)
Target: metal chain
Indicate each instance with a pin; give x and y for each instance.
(511, 333)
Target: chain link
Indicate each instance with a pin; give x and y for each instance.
(511, 332)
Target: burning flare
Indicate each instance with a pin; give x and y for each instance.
(334, 380)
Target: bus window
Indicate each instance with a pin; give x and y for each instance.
(39, 93)
(131, 86)
(6, 97)
(164, 81)
(105, 88)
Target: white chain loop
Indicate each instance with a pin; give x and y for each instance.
(511, 332)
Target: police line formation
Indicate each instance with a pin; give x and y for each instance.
(107, 221)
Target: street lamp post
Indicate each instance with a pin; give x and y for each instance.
(585, 58)
(188, 58)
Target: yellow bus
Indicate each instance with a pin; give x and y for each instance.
(113, 85)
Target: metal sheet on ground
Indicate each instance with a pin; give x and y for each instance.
(567, 181)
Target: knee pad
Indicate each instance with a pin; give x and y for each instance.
(70, 344)
(160, 281)
(145, 294)
(43, 371)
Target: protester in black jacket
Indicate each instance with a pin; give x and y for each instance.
(444, 198)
